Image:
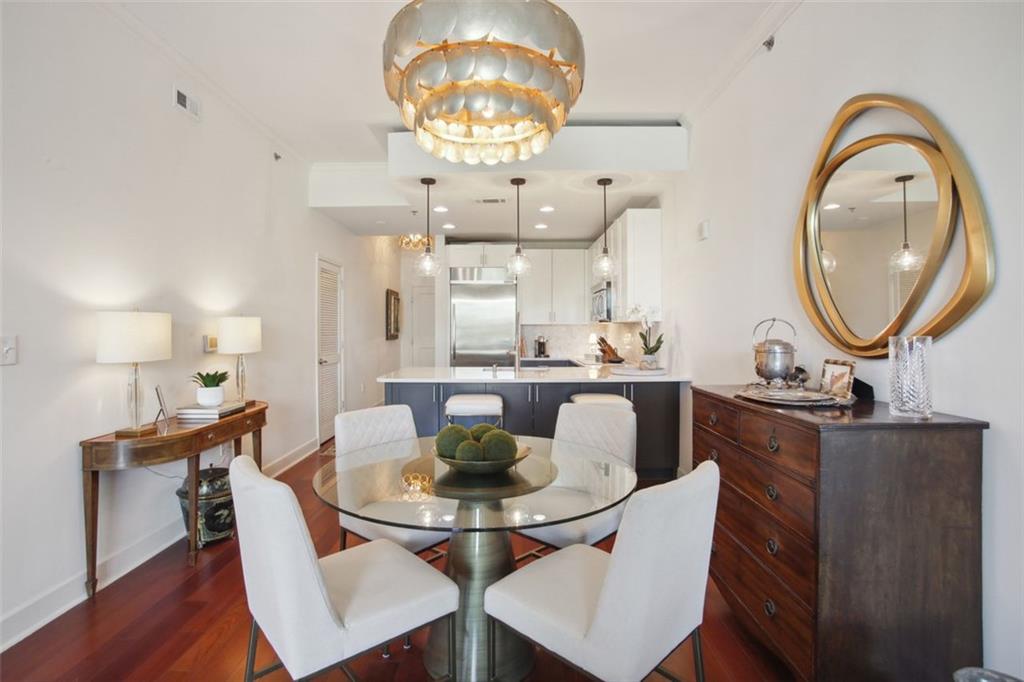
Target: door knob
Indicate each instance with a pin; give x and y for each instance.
(322, 361)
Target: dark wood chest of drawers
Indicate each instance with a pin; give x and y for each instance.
(848, 541)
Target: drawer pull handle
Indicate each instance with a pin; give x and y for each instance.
(771, 492)
(713, 419)
(209, 436)
(769, 608)
(713, 455)
(772, 546)
(773, 443)
(248, 422)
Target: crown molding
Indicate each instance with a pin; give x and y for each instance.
(194, 72)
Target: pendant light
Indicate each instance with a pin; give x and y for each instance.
(428, 264)
(518, 263)
(604, 266)
(905, 259)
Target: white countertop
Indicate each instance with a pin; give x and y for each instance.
(552, 375)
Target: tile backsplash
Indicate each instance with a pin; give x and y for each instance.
(570, 340)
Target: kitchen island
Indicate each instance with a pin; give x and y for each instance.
(532, 397)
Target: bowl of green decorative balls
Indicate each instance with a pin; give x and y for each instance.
(481, 449)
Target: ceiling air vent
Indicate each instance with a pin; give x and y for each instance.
(186, 103)
(490, 201)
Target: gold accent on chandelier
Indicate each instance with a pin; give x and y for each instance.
(489, 82)
(414, 242)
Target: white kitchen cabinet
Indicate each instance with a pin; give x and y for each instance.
(634, 243)
(570, 295)
(534, 288)
(555, 290)
(479, 255)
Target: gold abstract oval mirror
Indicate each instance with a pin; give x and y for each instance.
(877, 222)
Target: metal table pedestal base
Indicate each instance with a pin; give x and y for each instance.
(475, 561)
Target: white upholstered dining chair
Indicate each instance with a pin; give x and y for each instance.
(618, 616)
(378, 426)
(318, 613)
(601, 430)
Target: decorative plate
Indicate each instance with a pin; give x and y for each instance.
(485, 466)
(790, 397)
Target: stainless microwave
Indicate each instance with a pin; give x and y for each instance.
(601, 303)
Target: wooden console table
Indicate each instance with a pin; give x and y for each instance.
(178, 440)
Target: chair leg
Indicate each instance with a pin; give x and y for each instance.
(492, 648)
(407, 642)
(343, 536)
(385, 652)
(250, 658)
(698, 654)
(452, 663)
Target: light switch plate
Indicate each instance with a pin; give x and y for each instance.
(8, 350)
(703, 230)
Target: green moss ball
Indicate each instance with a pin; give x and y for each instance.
(449, 438)
(499, 445)
(469, 451)
(478, 431)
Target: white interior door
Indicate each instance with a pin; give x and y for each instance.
(423, 326)
(329, 385)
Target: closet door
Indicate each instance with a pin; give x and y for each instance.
(330, 367)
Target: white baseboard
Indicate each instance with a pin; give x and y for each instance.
(37, 612)
(287, 461)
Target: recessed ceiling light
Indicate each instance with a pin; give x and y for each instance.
(540, 226)
(547, 209)
(440, 209)
(827, 207)
(448, 226)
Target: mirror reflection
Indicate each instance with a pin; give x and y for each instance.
(876, 219)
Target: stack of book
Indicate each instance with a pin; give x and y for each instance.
(198, 413)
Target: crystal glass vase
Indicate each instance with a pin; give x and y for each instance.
(910, 377)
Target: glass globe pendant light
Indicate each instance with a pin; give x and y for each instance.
(905, 259)
(604, 266)
(428, 264)
(518, 263)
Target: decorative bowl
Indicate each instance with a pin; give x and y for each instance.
(493, 466)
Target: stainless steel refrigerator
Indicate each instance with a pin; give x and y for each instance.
(483, 317)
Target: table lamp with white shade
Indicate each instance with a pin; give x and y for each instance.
(133, 337)
(238, 336)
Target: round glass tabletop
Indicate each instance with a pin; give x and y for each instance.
(403, 484)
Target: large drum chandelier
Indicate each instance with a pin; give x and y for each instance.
(483, 80)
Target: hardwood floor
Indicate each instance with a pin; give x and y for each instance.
(167, 621)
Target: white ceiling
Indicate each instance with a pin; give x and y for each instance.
(575, 197)
(311, 73)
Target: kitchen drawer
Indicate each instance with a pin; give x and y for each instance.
(790, 557)
(227, 432)
(716, 416)
(788, 447)
(782, 496)
(788, 624)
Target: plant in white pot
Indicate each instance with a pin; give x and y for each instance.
(650, 349)
(211, 389)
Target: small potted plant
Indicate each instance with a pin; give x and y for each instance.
(211, 390)
(650, 349)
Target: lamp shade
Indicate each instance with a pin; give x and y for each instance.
(239, 335)
(133, 337)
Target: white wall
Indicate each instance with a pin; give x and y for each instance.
(114, 200)
(752, 150)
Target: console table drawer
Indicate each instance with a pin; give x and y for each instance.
(786, 499)
(790, 448)
(228, 431)
(716, 416)
(787, 624)
(792, 558)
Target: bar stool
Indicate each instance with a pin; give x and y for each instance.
(475, 405)
(603, 399)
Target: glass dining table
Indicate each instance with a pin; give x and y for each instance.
(402, 484)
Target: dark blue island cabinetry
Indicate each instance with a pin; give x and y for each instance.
(531, 409)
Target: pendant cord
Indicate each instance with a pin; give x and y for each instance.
(428, 216)
(605, 189)
(517, 215)
(905, 242)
